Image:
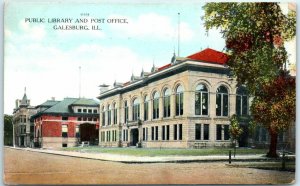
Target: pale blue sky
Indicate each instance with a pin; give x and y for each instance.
(47, 61)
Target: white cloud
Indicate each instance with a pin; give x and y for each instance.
(32, 32)
(153, 25)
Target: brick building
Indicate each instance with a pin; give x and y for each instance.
(184, 104)
(66, 123)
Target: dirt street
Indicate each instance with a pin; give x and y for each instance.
(23, 167)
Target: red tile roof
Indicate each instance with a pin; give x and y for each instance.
(210, 55)
(164, 67)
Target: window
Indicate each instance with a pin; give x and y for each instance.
(125, 135)
(64, 118)
(145, 134)
(115, 113)
(222, 101)
(79, 119)
(90, 110)
(90, 119)
(95, 111)
(125, 112)
(179, 101)
(167, 94)
(198, 132)
(64, 131)
(241, 101)
(136, 110)
(165, 132)
(175, 132)
(201, 100)
(206, 132)
(152, 133)
(219, 132)
(94, 119)
(146, 108)
(156, 132)
(222, 129)
(103, 116)
(155, 105)
(180, 131)
(79, 110)
(84, 110)
(109, 115)
(77, 132)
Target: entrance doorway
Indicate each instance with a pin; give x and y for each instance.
(134, 136)
(89, 133)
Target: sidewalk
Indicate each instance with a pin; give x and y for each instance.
(144, 159)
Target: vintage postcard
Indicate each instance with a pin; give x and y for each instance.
(149, 92)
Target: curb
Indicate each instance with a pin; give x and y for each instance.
(204, 159)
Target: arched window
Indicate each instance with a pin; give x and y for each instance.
(125, 112)
(103, 115)
(167, 109)
(155, 105)
(179, 100)
(241, 101)
(135, 109)
(146, 108)
(115, 113)
(109, 115)
(201, 100)
(222, 101)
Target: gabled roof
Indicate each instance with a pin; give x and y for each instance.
(61, 107)
(210, 55)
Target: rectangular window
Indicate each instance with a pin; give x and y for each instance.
(219, 132)
(167, 106)
(94, 119)
(198, 132)
(156, 133)
(64, 118)
(168, 132)
(127, 135)
(152, 133)
(238, 105)
(89, 110)
(225, 107)
(206, 132)
(163, 132)
(245, 106)
(197, 103)
(79, 110)
(95, 111)
(84, 110)
(79, 119)
(175, 132)
(144, 131)
(126, 114)
(64, 130)
(103, 118)
(90, 119)
(180, 131)
(115, 116)
(146, 134)
(226, 132)
(179, 104)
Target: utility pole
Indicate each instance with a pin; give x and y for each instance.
(178, 34)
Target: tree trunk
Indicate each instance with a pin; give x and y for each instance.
(272, 149)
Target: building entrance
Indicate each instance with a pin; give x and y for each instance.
(134, 137)
(89, 133)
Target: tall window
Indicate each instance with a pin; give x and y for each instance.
(241, 101)
(109, 115)
(222, 129)
(155, 105)
(125, 112)
(222, 101)
(64, 131)
(115, 113)
(136, 109)
(77, 131)
(146, 108)
(167, 94)
(179, 100)
(198, 132)
(201, 100)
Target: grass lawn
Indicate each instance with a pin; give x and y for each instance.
(166, 152)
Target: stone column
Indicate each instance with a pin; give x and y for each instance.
(161, 105)
(173, 105)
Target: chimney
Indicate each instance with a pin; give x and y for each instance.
(53, 98)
